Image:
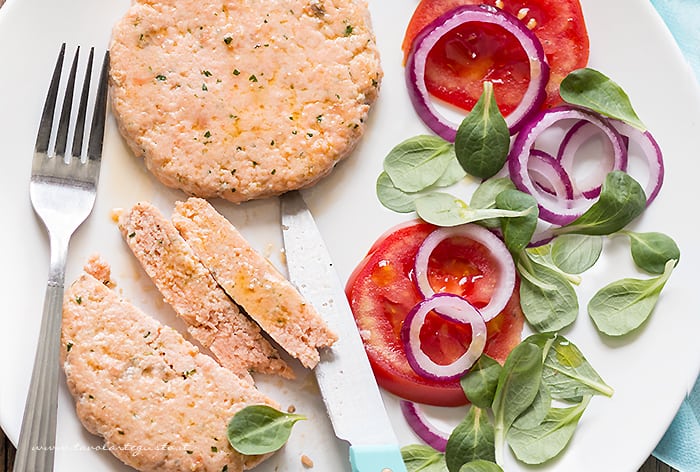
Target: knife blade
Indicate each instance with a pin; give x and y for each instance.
(344, 375)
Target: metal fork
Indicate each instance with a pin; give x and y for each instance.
(62, 192)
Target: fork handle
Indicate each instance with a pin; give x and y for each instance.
(37, 440)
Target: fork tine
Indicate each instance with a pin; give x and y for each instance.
(44, 134)
(82, 109)
(98, 118)
(64, 121)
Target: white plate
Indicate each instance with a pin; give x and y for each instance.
(651, 370)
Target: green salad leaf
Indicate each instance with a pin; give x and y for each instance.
(485, 194)
(622, 306)
(651, 251)
(453, 174)
(536, 412)
(621, 200)
(393, 198)
(443, 209)
(592, 89)
(566, 373)
(260, 429)
(517, 388)
(485, 197)
(518, 231)
(576, 253)
(548, 300)
(479, 384)
(418, 162)
(471, 440)
(483, 140)
(546, 440)
(480, 466)
(421, 458)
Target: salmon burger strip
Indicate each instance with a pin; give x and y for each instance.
(243, 100)
(158, 403)
(213, 319)
(253, 282)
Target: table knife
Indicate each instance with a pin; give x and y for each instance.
(344, 375)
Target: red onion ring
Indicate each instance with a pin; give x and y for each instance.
(432, 33)
(423, 428)
(543, 235)
(547, 172)
(453, 308)
(651, 153)
(575, 137)
(552, 209)
(504, 288)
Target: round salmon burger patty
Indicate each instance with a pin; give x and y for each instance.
(243, 99)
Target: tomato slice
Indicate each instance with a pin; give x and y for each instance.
(473, 53)
(382, 291)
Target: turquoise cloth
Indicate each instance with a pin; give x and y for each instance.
(683, 19)
(680, 446)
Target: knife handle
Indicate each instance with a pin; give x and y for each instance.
(376, 458)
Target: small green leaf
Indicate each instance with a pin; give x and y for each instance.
(546, 440)
(418, 162)
(548, 300)
(480, 466)
(517, 232)
(421, 458)
(443, 209)
(485, 194)
(393, 198)
(548, 309)
(621, 200)
(483, 140)
(566, 372)
(591, 89)
(453, 174)
(622, 306)
(517, 388)
(485, 197)
(540, 254)
(479, 384)
(651, 251)
(472, 439)
(537, 411)
(575, 253)
(402, 201)
(260, 429)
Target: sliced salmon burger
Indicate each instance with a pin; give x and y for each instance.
(243, 100)
(253, 282)
(158, 403)
(188, 287)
